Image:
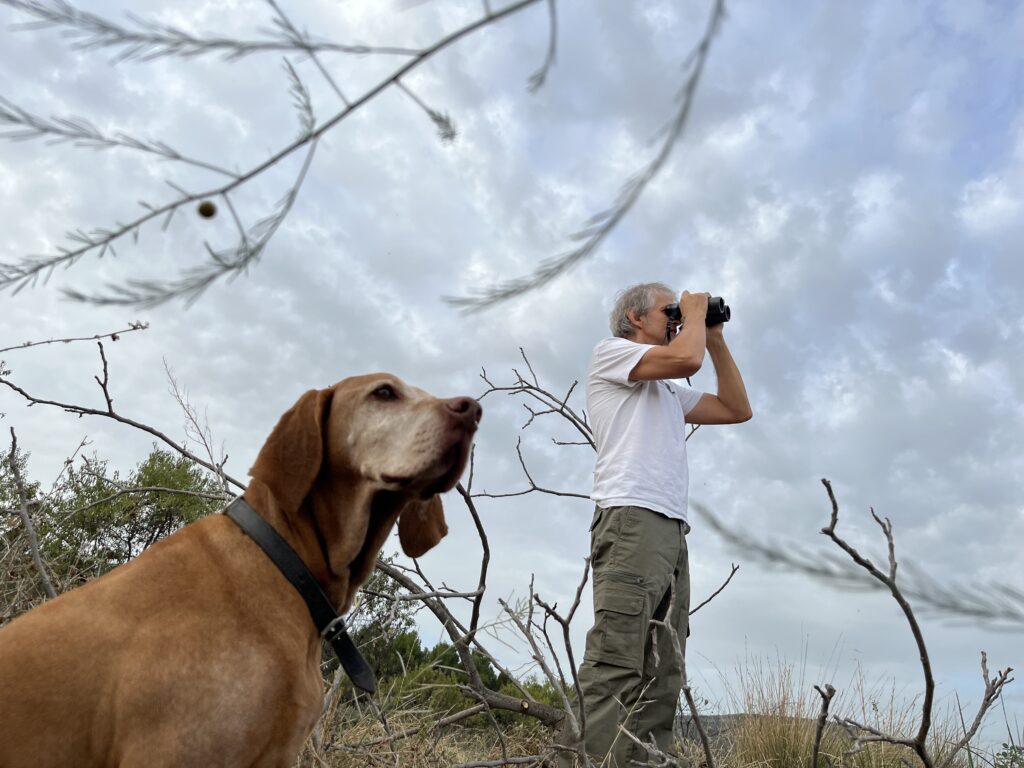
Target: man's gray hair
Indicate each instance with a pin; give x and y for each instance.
(640, 299)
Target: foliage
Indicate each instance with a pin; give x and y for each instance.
(92, 520)
(1009, 756)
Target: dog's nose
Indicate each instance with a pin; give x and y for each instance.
(465, 409)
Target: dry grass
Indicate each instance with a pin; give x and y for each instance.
(361, 739)
(781, 709)
(776, 730)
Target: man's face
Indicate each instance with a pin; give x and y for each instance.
(654, 323)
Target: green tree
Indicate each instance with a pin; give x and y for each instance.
(94, 520)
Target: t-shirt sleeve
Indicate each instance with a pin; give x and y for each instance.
(614, 358)
(688, 398)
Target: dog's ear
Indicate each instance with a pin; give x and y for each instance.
(289, 461)
(421, 526)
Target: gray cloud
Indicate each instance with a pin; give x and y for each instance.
(851, 181)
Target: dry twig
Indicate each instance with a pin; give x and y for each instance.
(863, 734)
(819, 730)
(26, 520)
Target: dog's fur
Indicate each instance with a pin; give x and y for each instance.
(199, 652)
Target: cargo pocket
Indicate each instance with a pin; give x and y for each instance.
(620, 618)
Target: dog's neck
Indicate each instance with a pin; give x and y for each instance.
(337, 531)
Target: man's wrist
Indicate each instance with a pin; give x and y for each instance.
(716, 340)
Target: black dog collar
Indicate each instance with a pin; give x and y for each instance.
(328, 622)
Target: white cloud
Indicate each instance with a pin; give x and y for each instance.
(989, 205)
(850, 180)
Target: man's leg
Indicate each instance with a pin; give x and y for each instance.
(658, 717)
(633, 555)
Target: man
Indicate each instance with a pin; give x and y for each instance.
(630, 673)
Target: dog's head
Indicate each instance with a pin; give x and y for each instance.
(370, 447)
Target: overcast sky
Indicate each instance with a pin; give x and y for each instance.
(851, 181)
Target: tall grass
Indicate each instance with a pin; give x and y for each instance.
(779, 712)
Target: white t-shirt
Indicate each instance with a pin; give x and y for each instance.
(640, 431)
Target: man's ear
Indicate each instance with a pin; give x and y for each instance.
(421, 526)
(290, 460)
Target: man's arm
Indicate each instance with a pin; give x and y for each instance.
(730, 405)
(684, 355)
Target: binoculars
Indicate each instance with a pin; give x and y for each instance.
(718, 312)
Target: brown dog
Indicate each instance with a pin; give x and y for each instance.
(199, 652)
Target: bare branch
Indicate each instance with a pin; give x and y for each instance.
(26, 520)
(485, 558)
(523, 760)
(533, 485)
(113, 336)
(826, 700)
(718, 591)
(993, 690)
(863, 734)
(889, 580)
(111, 414)
(458, 717)
(667, 625)
(200, 433)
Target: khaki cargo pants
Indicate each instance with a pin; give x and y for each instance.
(630, 672)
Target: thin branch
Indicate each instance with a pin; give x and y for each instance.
(578, 729)
(718, 591)
(153, 40)
(538, 78)
(446, 130)
(533, 485)
(457, 631)
(81, 133)
(602, 225)
(522, 760)
(993, 690)
(999, 605)
(193, 282)
(485, 559)
(199, 433)
(146, 489)
(537, 654)
(677, 647)
(110, 414)
(113, 336)
(532, 389)
(26, 520)
(303, 40)
(444, 721)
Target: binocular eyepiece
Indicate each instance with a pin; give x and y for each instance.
(718, 312)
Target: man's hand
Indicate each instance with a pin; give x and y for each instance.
(694, 305)
(716, 333)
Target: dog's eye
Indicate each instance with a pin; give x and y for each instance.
(385, 392)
